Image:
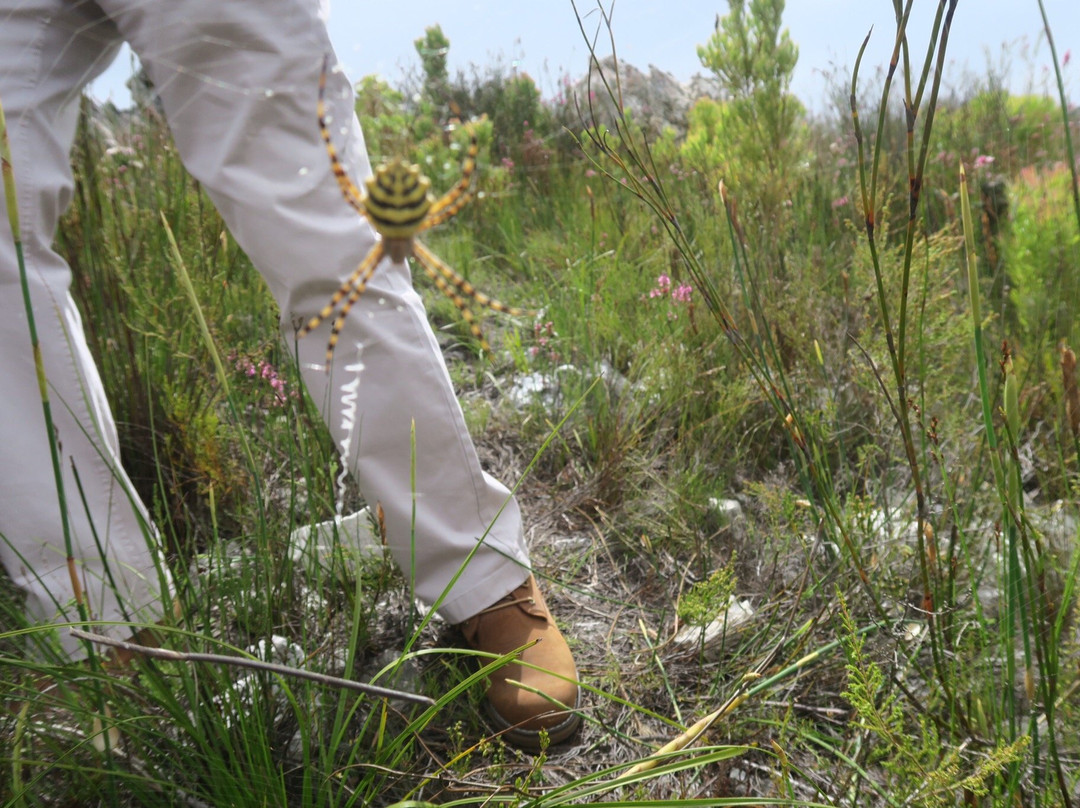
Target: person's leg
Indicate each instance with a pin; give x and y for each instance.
(238, 82)
(48, 50)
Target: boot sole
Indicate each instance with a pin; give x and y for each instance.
(529, 739)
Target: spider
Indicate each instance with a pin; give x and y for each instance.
(399, 205)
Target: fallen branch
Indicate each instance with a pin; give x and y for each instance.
(244, 662)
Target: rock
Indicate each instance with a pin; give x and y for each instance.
(656, 100)
(723, 512)
(354, 534)
(247, 691)
(279, 650)
(710, 639)
(546, 387)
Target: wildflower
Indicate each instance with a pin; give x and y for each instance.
(544, 333)
(662, 288)
(589, 172)
(983, 160)
(840, 202)
(508, 164)
(268, 373)
(682, 293)
(1065, 59)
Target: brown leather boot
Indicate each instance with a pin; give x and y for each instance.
(516, 620)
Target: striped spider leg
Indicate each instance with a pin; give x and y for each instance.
(399, 204)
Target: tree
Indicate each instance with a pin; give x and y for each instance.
(760, 144)
(433, 48)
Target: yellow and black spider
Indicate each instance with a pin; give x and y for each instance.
(399, 205)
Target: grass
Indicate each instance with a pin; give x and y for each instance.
(907, 488)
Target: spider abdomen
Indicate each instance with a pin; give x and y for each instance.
(398, 199)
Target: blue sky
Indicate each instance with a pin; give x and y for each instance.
(542, 37)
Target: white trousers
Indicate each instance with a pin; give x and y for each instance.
(238, 81)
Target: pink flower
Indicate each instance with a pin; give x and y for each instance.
(589, 172)
(662, 288)
(839, 203)
(682, 293)
(1065, 58)
(983, 160)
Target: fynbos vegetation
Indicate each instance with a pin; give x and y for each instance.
(797, 429)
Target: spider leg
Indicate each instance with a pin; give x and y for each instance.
(430, 262)
(357, 280)
(354, 295)
(348, 189)
(463, 286)
(451, 203)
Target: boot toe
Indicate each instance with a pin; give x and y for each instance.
(548, 694)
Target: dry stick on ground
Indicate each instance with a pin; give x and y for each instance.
(751, 684)
(701, 726)
(243, 662)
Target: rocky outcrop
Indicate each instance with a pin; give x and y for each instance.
(656, 100)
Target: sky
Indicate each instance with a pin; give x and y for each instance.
(542, 38)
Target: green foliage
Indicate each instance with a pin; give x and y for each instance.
(519, 118)
(777, 373)
(433, 48)
(921, 771)
(1017, 131)
(754, 140)
(440, 157)
(710, 140)
(381, 110)
(1039, 255)
(709, 598)
(749, 51)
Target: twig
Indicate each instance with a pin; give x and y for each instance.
(243, 662)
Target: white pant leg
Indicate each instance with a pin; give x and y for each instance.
(43, 66)
(238, 80)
